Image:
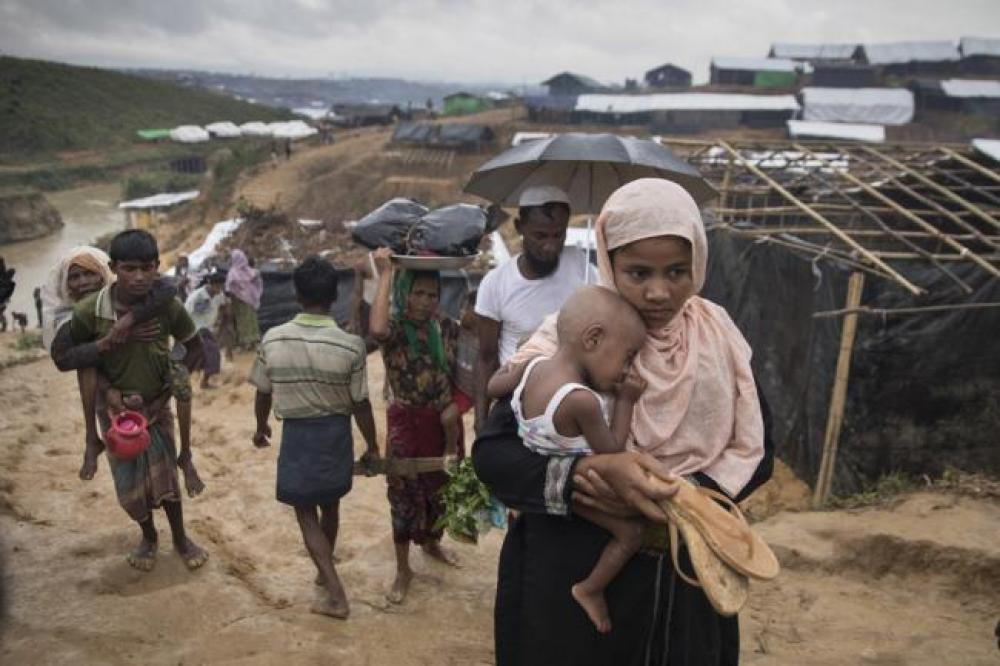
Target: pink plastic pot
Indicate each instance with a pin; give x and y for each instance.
(128, 435)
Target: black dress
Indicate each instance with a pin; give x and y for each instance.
(656, 617)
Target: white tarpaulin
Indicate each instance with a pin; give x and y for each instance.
(970, 88)
(896, 53)
(293, 129)
(312, 113)
(755, 64)
(524, 137)
(255, 128)
(685, 102)
(875, 106)
(189, 134)
(220, 231)
(979, 46)
(814, 51)
(849, 131)
(164, 200)
(224, 129)
(989, 147)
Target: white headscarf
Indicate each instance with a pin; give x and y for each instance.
(57, 306)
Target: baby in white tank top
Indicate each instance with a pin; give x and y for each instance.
(560, 411)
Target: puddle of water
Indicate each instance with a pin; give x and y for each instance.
(87, 212)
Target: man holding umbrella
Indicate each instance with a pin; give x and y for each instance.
(514, 297)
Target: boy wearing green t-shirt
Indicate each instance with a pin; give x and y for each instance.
(140, 371)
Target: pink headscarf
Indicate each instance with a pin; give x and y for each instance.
(243, 281)
(700, 411)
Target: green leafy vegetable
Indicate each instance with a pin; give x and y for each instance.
(466, 504)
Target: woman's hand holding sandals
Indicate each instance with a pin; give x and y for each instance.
(623, 484)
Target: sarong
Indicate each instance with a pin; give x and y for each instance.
(143, 484)
(415, 503)
(211, 357)
(245, 321)
(316, 462)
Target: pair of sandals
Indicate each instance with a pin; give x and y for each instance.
(724, 551)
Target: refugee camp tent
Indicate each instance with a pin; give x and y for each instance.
(364, 115)
(844, 76)
(988, 147)
(189, 134)
(980, 55)
(255, 128)
(668, 76)
(153, 134)
(461, 103)
(223, 129)
(866, 282)
(550, 108)
(467, 137)
(147, 212)
(914, 58)
(876, 106)
(817, 53)
(973, 95)
(413, 133)
(293, 129)
(812, 129)
(570, 84)
(688, 112)
(757, 72)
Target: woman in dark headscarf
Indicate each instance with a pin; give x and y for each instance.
(418, 348)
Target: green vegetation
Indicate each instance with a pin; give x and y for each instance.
(28, 340)
(883, 489)
(49, 107)
(466, 504)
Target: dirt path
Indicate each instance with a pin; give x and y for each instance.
(915, 583)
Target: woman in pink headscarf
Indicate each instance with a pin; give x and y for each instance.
(245, 286)
(701, 416)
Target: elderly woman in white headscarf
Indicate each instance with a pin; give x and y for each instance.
(701, 416)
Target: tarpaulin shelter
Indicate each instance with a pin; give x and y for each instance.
(876, 106)
(816, 53)
(153, 134)
(461, 103)
(189, 134)
(914, 58)
(680, 113)
(757, 72)
(471, 137)
(224, 129)
(867, 281)
(813, 129)
(844, 76)
(980, 55)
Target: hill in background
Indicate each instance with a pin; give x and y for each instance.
(47, 107)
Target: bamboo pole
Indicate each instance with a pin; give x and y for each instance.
(888, 312)
(922, 223)
(835, 415)
(968, 205)
(854, 233)
(834, 229)
(975, 166)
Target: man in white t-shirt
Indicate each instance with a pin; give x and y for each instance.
(204, 305)
(516, 296)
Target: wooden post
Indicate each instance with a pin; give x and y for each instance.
(835, 415)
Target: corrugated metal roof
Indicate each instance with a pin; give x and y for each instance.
(685, 102)
(970, 88)
(814, 51)
(979, 46)
(893, 53)
(756, 64)
(849, 131)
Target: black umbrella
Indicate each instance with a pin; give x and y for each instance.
(588, 167)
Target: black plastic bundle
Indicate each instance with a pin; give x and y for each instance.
(452, 231)
(389, 224)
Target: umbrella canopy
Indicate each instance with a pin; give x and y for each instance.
(588, 167)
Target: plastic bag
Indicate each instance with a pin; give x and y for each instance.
(452, 231)
(389, 224)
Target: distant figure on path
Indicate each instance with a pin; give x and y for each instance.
(7, 285)
(315, 376)
(37, 295)
(204, 305)
(244, 287)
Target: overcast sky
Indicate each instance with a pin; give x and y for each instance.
(512, 41)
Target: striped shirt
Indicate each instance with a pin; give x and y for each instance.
(312, 368)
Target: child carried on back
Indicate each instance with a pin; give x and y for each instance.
(561, 411)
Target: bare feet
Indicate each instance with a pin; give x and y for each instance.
(143, 557)
(595, 605)
(192, 554)
(400, 586)
(89, 466)
(192, 482)
(337, 608)
(433, 549)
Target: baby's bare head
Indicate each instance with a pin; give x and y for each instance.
(603, 331)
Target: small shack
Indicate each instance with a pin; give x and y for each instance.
(939, 58)
(364, 115)
(844, 76)
(550, 108)
(462, 137)
(972, 95)
(148, 212)
(980, 55)
(756, 72)
(817, 53)
(874, 106)
(461, 103)
(567, 84)
(813, 129)
(685, 113)
(668, 76)
(867, 282)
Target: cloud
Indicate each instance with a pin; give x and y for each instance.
(480, 40)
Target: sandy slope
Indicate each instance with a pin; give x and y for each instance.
(918, 583)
